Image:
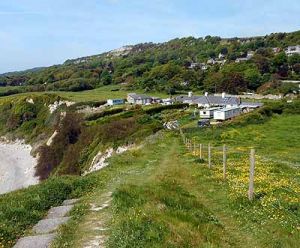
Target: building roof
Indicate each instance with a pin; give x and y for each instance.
(226, 109)
(251, 104)
(209, 109)
(139, 97)
(217, 100)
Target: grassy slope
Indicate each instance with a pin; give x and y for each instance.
(162, 197)
(99, 94)
(277, 138)
(20, 210)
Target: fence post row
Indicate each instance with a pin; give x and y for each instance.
(251, 177)
(224, 161)
(192, 147)
(209, 156)
(200, 151)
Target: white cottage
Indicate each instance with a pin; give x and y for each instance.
(226, 113)
(207, 113)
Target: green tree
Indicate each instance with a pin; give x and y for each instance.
(253, 78)
(106, 78)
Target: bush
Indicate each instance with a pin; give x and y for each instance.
(160, 108)
(50, 156)
(96, 116)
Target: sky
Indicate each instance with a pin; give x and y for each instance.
(36, 33)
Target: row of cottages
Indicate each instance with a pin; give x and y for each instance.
(209, 101)
(221, 107)
(134, 98)
(291, 50)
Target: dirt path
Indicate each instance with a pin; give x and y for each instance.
(168, 159)
(93, 229)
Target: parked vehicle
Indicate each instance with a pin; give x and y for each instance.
(204, 123)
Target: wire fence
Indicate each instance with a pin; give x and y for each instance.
(215, 154)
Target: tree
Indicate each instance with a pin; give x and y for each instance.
(233, 82)
(262, 63)
(253, 78)
(294, 59)
(106, 78)
(280, 59)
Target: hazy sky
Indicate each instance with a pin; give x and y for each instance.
(45, 32)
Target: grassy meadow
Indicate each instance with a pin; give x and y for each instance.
(277, 138)
(163, 196)
(98, 94)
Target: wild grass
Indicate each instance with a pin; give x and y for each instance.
(185, 204)
(22, 209)
(273, 131)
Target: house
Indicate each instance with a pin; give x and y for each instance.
(193, 65)
(249, 106)
(112, 102)
(276, 50)
(291, 50)
(134, 98)
(203, 67)
(207, 113)
(156, 100)
(221, 56)
(168, 101)
(250, 54)
(238, 60)
(211, 61)
(226, 113)
(208, 101)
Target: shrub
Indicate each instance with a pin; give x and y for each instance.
(51, 156)
(96, 116)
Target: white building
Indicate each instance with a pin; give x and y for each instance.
(134, 98)
(207, 113)
(291, 50)
(226, 113)
(112, 102)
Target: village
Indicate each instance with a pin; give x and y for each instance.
(210, 108)
(221, 59)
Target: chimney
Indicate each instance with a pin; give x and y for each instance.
(190, 94)
(223, 95)
(206, 93)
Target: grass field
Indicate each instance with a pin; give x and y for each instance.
(278, 138)
(163, 197)
(98, 94)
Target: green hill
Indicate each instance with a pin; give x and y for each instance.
(179, 64)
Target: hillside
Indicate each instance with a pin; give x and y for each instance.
(158, 193)
(211, 64)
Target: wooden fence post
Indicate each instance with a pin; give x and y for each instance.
(224, 162)
(209, 156)
(251, 177)
(200, 151)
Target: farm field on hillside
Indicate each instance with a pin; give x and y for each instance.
(278, 138)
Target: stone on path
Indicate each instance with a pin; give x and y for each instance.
(49, 225)
(41, 241)
(58, 212)
(70, 202)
